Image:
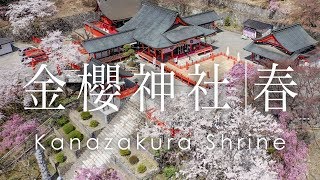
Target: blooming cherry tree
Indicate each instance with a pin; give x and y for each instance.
(23, 13)
(218, 163)
(61, 52)
(15, 130)
(12, 82)
(293, 164)
(97, 173)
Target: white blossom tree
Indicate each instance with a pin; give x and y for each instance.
(12, 82)
(24, 12)
(60, 51)
(200, 162)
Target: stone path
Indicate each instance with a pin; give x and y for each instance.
(121, 126)
(314, 156)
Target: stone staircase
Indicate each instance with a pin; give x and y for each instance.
(121, 126)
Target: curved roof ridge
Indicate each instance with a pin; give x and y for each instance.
(285, 27)
(107, 35)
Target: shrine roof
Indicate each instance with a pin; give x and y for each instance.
(151, 18)
(119, 9)
(293, 38)
(202, 18)
(257, 25)
(181, 33)
(108, 42)
(5, 41)
(267, 51)
(155, 26)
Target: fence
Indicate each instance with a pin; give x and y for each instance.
(16, 153)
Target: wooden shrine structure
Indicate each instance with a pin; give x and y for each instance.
(288, 44)
(157, 32)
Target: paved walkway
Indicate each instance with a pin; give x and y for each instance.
(122, 126)
(232, 40)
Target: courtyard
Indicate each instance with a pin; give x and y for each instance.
(207, 66)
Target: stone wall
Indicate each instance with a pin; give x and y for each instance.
(240, 12)
(39, 28)
(243, 11)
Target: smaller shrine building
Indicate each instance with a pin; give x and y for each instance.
(289, 44)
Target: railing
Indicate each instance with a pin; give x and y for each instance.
(161, 124)
(113, 58)
(16, 153)
(8, 160)
(210, 57)
(128, 92)
(148, 58)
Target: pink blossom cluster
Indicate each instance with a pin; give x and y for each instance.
(97, 173)
(15, 130)
(294, 163)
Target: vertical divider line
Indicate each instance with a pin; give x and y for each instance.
(245, 86)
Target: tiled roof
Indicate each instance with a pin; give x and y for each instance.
(108, 42)
(267, 51)
(294, 38)
(186, 32)
(257, 25)
(202, 18)
(153, 26)
(5, 41)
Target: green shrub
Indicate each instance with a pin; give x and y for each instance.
(227, 21)
(86, 115)
(75, 134)
(79, 108)
(169, 171)
(67, 128)
(94, 123)
(47, 142)
(60, 158)
(125, 152)
(133, 160)
(126, 47)
(131, 63)
(142, 168)
(62, 121)
(271, 150)
(57, 144)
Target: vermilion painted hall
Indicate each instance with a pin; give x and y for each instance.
(156, 32)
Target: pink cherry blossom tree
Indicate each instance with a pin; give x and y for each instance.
(11, 90)
(293, 164)
(199, 162)
(15, 130)
(60, 51)
(236, 86)
(24, 12)
(96, 173)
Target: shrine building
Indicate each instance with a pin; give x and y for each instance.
(289, 44)
(157, 33)
(113, 14)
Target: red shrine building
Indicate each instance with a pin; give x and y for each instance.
(156, 32)
(289, 44)
(113, 14)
